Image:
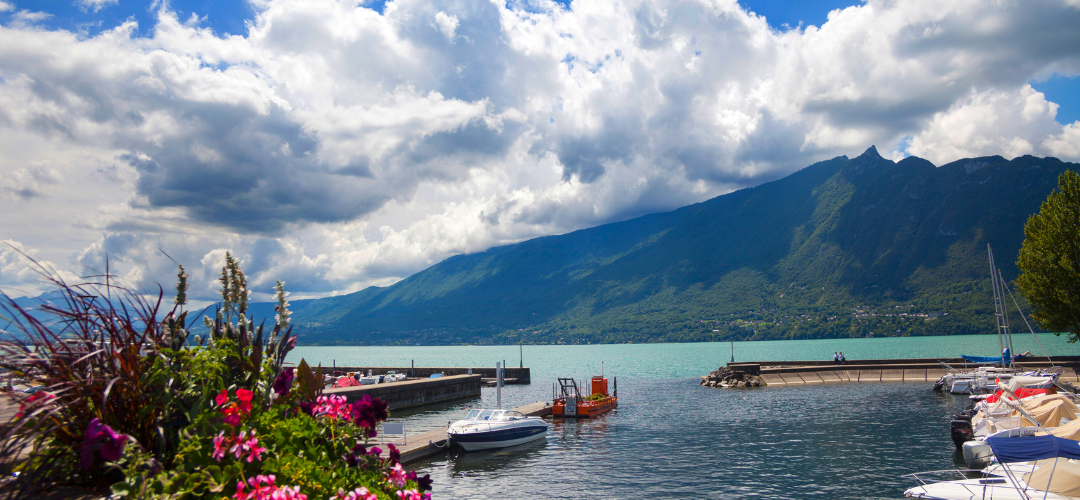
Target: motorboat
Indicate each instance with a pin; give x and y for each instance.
(484, 429)
(1016, 404)
(1055, 413)
(571, 404)
(1029, 467)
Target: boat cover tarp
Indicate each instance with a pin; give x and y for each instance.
(346, 382)
(1030, 448)
(1056, 476)
(1070, 430)
(1030, 381)
(1049, 414)
(1020, 394)
(990, 359)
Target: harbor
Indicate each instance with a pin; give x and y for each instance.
(852, 439)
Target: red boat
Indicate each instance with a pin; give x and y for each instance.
(570, 404)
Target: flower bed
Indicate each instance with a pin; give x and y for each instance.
(134, 403)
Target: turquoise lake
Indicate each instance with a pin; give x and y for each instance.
(672, 438)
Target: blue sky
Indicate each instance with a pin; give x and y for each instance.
(337, 147)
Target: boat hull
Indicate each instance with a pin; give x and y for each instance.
(499, 438)
(585, 409)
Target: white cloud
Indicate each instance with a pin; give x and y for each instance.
(1008, 122)
(446, 24)
(26, 17)
(95, 5)
(6, 6)
(336, 148)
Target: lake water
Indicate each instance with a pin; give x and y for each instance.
(672, 438)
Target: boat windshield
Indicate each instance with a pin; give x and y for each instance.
(485, 415)
(472, 414)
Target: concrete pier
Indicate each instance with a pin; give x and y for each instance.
(510, 375)
(429, 443)
(884, 370)
(415, 392)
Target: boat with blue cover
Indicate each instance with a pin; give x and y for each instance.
(484, 429)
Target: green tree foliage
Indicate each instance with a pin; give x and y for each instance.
(1050, 259)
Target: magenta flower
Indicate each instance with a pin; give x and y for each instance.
(395, 455)
(256, 450)
(263, 488)
(284, 382)
(220, 444)
(240, 446)
(100, 439)
(412, 495)
(357, 494)
(369, 411)
(396, 475)
(333, 407)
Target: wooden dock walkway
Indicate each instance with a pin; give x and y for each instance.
(430, 443)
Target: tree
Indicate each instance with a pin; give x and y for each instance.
(1050, 259)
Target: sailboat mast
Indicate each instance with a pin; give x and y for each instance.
(1005, 311)
(997, 301)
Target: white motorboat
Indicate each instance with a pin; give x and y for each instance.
(484, 429)
(1031, 467)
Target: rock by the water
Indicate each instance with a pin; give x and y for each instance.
(725, 377)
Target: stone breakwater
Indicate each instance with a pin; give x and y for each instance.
(725, 377)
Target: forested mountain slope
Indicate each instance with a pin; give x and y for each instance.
(843, 248)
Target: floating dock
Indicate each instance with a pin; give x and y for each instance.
(884, 370)
(430, 443)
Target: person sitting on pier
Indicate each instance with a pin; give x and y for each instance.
(835, 358)
(843, 360)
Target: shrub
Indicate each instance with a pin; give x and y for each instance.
(134, 403)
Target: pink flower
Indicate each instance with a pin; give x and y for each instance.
(263, 488)
(220, 443)
(334, 407)
(241, 445)
(357, 494)
(410, 495)
(256, 450)
(396, 475)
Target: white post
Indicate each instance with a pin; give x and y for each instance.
(498, 385)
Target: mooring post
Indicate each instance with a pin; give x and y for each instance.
(498, 385)
(412, 371)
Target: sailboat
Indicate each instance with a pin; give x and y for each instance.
(984, 379)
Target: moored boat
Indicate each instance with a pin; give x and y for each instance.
(484, 429)
(570, 403)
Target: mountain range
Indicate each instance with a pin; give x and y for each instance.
(844, 248)
(848, 247)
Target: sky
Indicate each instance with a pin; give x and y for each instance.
(337, 145)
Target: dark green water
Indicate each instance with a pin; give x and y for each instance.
(672, 438)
